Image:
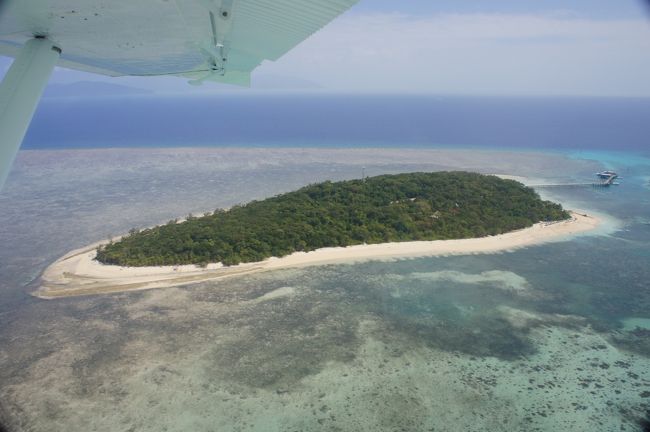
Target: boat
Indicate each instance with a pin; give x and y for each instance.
(606, 175)
(607, 178)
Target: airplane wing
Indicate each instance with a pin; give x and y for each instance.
(222, 40)
(219, 40)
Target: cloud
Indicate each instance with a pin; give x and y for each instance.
(554, 53)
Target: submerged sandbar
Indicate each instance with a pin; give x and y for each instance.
(78, 273)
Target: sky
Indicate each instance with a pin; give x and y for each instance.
(468, 47)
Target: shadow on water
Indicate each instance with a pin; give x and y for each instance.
(4, 420)
(644, 422)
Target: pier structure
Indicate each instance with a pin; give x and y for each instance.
(605, 179)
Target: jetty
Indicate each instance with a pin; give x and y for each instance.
(605, 179)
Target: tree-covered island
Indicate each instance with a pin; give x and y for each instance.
(387, 208)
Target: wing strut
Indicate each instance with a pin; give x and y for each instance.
(20, 92)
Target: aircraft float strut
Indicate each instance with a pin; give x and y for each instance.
(20, 92)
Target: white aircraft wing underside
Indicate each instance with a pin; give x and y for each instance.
(221, 40)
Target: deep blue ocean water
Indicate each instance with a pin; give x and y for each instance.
(272, 120)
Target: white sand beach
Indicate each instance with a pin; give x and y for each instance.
(78, 273)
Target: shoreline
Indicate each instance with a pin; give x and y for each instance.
(78, 274)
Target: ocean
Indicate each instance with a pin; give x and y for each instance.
(317, 120)
(554, 337)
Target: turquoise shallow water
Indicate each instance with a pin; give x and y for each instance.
(621, 160)
(547, 338)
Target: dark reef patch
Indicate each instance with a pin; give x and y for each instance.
(278, 342)
(636, 341)
(5, 420)
(644, 423)
(494, 337)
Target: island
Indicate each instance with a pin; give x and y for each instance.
(383, 217)
(382, 209)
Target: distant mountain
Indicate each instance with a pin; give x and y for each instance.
(91, 89)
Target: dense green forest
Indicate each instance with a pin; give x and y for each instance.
(387, 208)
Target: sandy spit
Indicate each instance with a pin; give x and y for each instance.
(77, 273)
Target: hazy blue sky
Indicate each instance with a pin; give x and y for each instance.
(590, 8)
(509, 47)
